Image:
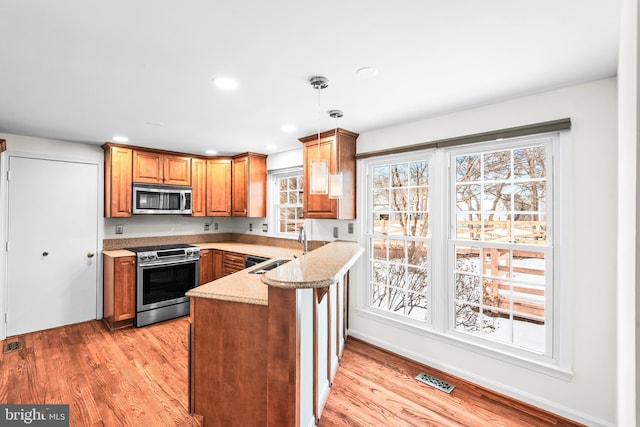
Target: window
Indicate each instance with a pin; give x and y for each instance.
(460, 243)
(287, 190)
(400, 238)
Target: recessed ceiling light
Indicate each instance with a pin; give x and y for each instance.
(367, 72)
(120, 138)
(288, 128)
(271, 147)
(225, 83)
(211, 152)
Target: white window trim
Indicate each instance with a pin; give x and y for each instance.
(558, 364)
(274, 215)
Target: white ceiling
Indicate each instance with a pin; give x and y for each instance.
(85, 70)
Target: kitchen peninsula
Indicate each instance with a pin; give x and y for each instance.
(265, 347)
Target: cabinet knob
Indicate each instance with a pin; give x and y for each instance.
(45, 253)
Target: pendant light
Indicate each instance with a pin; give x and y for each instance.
(319, 174)
(335, 179)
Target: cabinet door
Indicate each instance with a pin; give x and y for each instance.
(338, 147)
(240, 178)
(318, 205)
(117, 182)
(206, 266)
(199, 187)
(147, 167)
(218, 270)
(124, 288)
(219, 187)
(177, 170)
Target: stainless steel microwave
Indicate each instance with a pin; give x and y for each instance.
(161, 199)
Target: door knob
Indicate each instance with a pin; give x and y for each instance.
(45, 253)
(89, 254)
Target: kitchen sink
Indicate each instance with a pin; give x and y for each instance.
(270, 266)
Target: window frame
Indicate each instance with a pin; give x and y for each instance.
(275, 206)
(557, 359)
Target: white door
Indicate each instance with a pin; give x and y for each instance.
(52, 243)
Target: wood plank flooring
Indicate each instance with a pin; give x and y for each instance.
(138, 377)
(375, 387)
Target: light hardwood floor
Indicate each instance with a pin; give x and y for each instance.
(138, 377)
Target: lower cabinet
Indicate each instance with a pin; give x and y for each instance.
(119, 290)
(206, 266)
(271, 365)
(232, 262)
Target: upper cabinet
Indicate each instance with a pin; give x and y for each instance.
(161, 168)
(219, 187)
(249, 185)
(117, 181)
(338, 147)
(199, 187)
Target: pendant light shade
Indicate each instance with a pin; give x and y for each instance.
(336, 189)
(319, 177)
(319, 173)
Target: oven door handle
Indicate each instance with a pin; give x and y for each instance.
(167, 264)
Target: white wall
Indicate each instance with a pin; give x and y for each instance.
(627, 319)
(590, 395)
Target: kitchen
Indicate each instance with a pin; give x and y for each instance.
(589, 396)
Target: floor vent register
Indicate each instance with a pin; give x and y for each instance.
(435, 382)
(12, 346)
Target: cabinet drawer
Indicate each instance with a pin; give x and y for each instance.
(232, 262)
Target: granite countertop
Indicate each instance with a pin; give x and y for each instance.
(317, 269)
(242, 286)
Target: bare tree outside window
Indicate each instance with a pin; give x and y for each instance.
(289, 203)
(400, 239)
(500, 223)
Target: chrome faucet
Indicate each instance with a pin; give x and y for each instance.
(302, 238)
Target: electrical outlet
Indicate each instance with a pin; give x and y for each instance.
(206, 227)
(250, 227)
(265, 228)
(215, 226)
(119, 229)
(335, 232)
(350, 228)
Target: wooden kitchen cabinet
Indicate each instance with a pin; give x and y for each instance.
(199, 187)
(218, 187)
(232, 262)
(155, 167)
(117, 181)
(119, 284)
(206, 266)
(217, 264)
(249, 185)
(338, 147)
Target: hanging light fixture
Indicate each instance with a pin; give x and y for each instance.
(335, 179)
(319, 175)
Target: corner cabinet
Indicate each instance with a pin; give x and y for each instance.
(338, 147)
(249, 185)
(117, 181)
(119, 290)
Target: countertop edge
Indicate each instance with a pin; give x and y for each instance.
(315, 261)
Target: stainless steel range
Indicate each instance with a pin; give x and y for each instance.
(163, 275)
